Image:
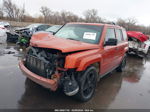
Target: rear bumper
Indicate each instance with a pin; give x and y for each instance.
(47, 83)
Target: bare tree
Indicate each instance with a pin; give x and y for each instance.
(46, 13)
(22, 13)
(92, 16)
(67, 16)
(1, 13)
(121, 22)
(12, 10)
(9, 8)
(56, 18)
(129, 23)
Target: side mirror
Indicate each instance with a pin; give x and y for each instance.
(111, 42)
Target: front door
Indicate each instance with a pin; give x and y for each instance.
(109, 54)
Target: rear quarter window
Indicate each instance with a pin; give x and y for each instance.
(119, 34)
(125, 37)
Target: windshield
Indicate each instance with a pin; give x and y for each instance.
(53, 28)
(80, 32)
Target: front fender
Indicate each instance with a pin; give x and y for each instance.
(82, 59)
(88, 61)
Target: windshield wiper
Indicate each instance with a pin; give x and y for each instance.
(72, 39)
(53, 33)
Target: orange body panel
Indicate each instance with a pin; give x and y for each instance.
(61, 44)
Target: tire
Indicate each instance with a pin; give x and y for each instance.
(122, 65)
(87, 83)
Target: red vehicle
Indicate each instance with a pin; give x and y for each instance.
(139, 43)
(76, 57)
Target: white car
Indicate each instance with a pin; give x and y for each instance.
(3, 35)
(139, 43)
(5, 24)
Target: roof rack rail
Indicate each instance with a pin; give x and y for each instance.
(112, 23)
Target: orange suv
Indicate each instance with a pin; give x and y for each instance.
(76, 57)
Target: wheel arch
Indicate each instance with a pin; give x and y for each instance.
(88, 61)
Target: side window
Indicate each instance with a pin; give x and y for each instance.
(45, 27)
(119, 35)
(125, 34)
(42, 27)
(39, 28)
(110, 34)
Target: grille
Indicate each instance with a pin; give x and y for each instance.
(36, 65)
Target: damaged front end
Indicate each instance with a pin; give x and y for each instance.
(137, 43)
(137, 47)
(49, 65)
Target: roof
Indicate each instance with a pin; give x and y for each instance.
(138, 35)
(97, 24)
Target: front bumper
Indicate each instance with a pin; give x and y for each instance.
(136, 51)
(12, 37)
(47, 83)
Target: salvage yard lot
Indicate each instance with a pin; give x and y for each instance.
(127, 90)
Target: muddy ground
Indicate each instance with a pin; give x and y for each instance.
(127, 90)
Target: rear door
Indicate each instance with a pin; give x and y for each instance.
(120, 46)
(109, 55)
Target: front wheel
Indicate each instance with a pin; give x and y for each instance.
(87, 83)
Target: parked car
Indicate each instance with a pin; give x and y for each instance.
(26, 33)
(76, 57)
(5, 24)
(3, 35)
(139, 43)
(32, 29)
(12, 36)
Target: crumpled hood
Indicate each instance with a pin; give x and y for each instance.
(138, 35)
(23, 28)
(64, 45)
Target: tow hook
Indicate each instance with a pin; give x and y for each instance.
(71, 86)
(56, 77)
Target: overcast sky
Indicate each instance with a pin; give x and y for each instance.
(109, 9)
